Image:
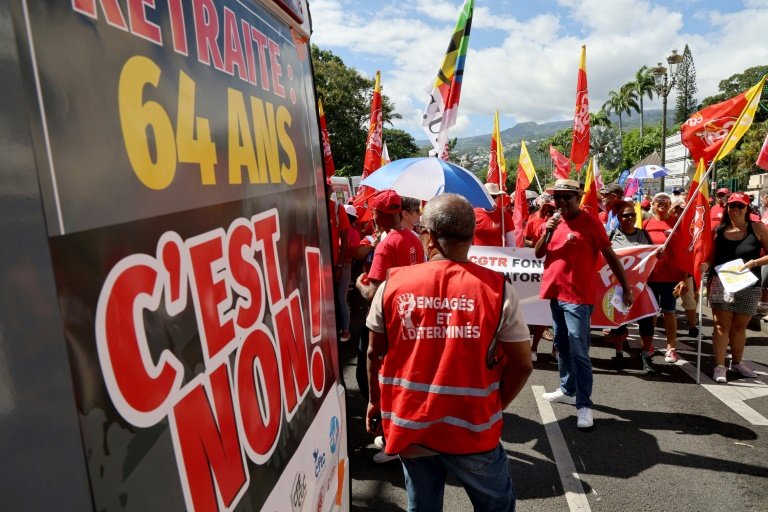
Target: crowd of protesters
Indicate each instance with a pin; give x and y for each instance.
(409, 256)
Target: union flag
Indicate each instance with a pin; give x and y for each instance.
(330, 168)
(580, 144)
(562, 164)
(525, 176)
(714, 131)
(497, 166)
(594, 182)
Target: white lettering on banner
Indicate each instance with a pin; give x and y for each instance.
(442, 332)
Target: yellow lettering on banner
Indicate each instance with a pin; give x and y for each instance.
(289, 172)
(136, 116)
(266, 139)
(241, 151)
(200, 150)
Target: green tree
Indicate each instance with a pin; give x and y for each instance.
(400, 144)
(605, 144)
(599, 119)
(685, 83)
(346, 97)
(745, 155)
(738, 83)
(623, 101)
(636, 145)
(643, 85)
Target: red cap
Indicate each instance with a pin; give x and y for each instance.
(386, 201)
(739, 197)
(645, 204)
(723, 190)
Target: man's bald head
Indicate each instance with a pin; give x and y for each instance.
(450, 217)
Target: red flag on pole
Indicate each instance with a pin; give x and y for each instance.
(497, 167)
(562, 164)
(580, 144)
(689, 246)
(762, 158)
(330, 168)
(525, 176)
(592, 185)
(705, 132)
(375, 128)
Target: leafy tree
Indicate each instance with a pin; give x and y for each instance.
(605, 143)
(745, 155)
(346, 97)
(623, 101)
(599, 119)
(636, 145)
(400, 144)
(738, 83)
(643, 85)
(685, 83)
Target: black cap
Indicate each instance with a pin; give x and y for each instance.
(678, 190)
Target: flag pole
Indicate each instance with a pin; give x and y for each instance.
(541, 191)
(689, 201)
(501, 210)
(698, 348)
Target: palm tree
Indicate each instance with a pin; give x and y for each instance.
(599, 119)
(622, 102)
(643, 85)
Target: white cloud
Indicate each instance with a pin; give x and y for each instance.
(526, 68)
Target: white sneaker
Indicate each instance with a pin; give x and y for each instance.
(585, 418)
(534, 356)
(743, 369)
(382, 457)
(719, 374)
(378, 442)
(560, 397)
(671, 356)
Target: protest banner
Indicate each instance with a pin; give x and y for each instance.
(525, 271)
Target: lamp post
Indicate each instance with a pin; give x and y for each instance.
(664, 83)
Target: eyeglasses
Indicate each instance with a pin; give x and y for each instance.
(721, 195)
(628, 215)
(662, 201)
(563, 197)
(738, 206)
(422, 230)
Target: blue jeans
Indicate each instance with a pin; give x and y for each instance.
(485, 477)
(571, 326)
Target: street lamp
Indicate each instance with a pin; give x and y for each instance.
(664, 83)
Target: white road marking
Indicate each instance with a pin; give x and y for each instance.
(574, 491)
(736, 392)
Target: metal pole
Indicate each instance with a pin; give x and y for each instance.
(698, 348)
(665, 92)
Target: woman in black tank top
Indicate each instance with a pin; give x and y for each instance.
(735, 237)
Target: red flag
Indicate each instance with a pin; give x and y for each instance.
(525, 176)
(562, 164)
(330, 168)
(580, 144)
(375, 128)
(762, 158)
(705, 132)
(691, 243)
(497, 167)
(594, 182)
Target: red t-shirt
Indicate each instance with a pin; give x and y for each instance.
(400, 248)
(488, 227)
(339, 222)
(716, 215)
(353, 243)
(663, 272)
(571, 260)
(534, 228)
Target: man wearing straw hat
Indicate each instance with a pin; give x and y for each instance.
(570, 246)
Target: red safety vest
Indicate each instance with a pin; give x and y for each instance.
(436, 388)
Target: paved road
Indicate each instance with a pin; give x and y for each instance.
(659, 443)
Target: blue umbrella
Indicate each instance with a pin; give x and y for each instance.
(426, 177)
(649, 171)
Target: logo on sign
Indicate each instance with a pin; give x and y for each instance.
(298, 491)
(334, 433)
(319, 462)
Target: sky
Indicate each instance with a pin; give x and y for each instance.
(523, 55)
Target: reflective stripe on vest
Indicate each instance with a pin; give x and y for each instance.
(436, 389)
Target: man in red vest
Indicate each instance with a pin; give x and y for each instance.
(448, 351)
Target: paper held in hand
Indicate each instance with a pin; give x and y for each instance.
(733, 280)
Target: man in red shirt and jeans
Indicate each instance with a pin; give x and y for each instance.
(570, 246)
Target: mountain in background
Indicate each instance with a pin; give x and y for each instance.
(531, 131)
